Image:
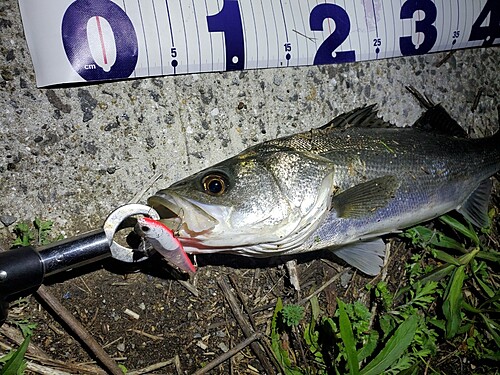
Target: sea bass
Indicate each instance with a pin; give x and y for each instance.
(340, 186)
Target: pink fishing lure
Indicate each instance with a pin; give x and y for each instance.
(164, 242)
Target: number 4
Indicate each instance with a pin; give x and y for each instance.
(489, 32)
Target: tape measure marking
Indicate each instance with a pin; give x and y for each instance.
(159, 37)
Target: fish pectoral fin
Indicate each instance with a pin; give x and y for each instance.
(475, 207)
(366, 256)
(363, 199)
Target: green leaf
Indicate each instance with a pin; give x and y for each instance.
(452, 302)
(17, 364)
(292, 315)
(470, 308)
(438, 274)
(445, 257)
(467, 231)
(486, 288)
(467, 258)
(492, 256)
(348, 339)
(311, 335)
(423, 236)
(24, 236)
(280, 353)
(368, 346)
(493, 328)
(395, 347)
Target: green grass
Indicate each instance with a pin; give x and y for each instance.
(14, 363)
(449, 307)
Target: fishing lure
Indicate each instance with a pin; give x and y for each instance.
(162, 239)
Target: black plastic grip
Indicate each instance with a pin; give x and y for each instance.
(20, 269)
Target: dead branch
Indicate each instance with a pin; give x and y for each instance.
(323, 287)
(78, 330)
(224, 357)
(245, 326)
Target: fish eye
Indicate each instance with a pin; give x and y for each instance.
(214, 184)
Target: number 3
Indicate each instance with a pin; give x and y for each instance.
(424, 26)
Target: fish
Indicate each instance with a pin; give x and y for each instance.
(338, 187)
(163, 240)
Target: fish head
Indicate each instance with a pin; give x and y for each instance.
(259, 196)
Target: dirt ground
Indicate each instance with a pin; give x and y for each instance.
(188, 327)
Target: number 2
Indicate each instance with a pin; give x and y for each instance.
(326, 52)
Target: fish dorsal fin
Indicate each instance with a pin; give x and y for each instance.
(475, 207)
(365, 198)
(435, 118)
(366, 256)
(365, 117)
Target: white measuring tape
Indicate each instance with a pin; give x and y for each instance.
(92, 40)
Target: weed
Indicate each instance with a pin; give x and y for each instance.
(39, 231)
(452, 299)
(14, 361)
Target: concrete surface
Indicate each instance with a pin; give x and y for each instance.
(73, 154)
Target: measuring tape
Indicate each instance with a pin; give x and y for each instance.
(93, 40)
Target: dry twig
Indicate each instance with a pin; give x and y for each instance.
(153, 367)
(245, 326)
(43, 363)
(323, 287)
(78, 330)
(224, 357)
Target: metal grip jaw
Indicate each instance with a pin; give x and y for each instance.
(115, 220)
(24, 269)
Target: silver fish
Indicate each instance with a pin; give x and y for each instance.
(340, 186)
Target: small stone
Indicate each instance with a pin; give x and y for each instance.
(345, 279)
(201, 345)
(7, 219)
(7, 75)
(220, 334)
(10, 55)
(150, 142)
(223, 347)
(111, 170)
(120, 347)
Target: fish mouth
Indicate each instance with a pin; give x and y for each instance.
(193, 219)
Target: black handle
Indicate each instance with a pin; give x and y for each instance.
(25, 268)
(20, 269)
